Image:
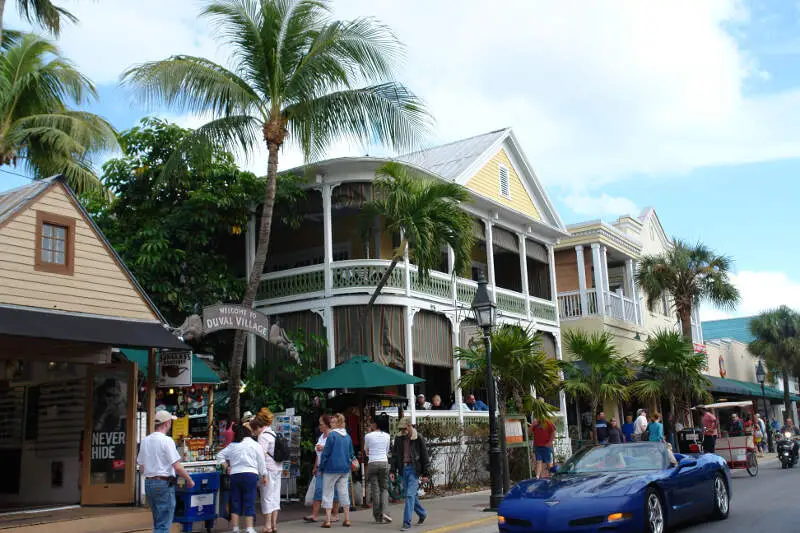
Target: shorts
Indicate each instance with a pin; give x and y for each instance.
(243, 494)
(318, 486)
(271, 494)
(544, 454)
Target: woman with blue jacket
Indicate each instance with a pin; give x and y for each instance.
(656, 429)
(334, 464)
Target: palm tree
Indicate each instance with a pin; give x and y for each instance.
(298, 77)
(690, 274)
(672, 370)
(777, 341)
(596, 372)
(41, 12)
(37, 127)
(518, 364)
(427, 215)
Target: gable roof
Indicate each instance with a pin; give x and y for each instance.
(451, 160)
(649, 214)
(730, 328)
(16, 200)
(458, 161)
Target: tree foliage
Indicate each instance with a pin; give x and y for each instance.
(777, 341)
(296, 76)
(595, 371)
(182, 233)
(39, 129)
(44, 13)
(690, 274)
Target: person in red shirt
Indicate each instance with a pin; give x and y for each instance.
(544, 432)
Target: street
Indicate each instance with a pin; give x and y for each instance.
(767, 502)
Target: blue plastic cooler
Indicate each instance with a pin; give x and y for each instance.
(198, 504)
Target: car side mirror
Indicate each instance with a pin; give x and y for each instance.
(687, 462)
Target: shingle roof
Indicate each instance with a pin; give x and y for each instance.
(450, 160)
(731, 328)
(13, 200)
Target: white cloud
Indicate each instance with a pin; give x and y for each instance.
(600, 206)
(598, 91)
(760, 291)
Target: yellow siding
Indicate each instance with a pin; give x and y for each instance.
(486, 182)
(98, 286)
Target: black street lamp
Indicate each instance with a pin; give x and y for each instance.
(761, 376)
(485, 315)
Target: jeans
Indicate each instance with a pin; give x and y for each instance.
(411, 482)
(243, 494)
(161, 499)
(378, 478)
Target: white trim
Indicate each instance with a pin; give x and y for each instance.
(77, 314)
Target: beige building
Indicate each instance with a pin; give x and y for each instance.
(67, 402)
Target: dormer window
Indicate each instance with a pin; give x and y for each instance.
(55, 244)
(505, 185)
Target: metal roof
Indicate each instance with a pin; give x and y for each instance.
(15, 199)
(731, 328)
(450, 160)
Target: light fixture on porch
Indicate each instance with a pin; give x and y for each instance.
(761, 377)
(486, 315)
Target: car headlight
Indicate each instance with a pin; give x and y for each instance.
(788, 435)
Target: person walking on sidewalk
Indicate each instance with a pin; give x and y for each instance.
(271, 492)
(376, 446)
(335, 464)
(159, 462)
(325, 427)
(247, 465)
(410, 460)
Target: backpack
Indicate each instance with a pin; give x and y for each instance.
(281, 450)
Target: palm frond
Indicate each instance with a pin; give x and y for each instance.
(45, 14)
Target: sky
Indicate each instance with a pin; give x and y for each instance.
(689, 107)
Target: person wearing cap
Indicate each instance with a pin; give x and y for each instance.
(422, 405)
(159, 462)
(410, 460)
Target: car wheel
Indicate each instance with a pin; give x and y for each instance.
(654, 519)
(722, 499)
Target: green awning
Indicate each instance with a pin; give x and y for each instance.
(360, 372)
(745, 388)
(201, 373)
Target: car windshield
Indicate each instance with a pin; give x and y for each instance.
(617, 457)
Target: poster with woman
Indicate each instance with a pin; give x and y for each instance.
(109, 427)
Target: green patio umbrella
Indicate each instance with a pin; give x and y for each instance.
(359, 373)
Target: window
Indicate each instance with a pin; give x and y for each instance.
(505, 186)
(55, 243)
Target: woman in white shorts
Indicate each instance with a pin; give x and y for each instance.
(271, 493)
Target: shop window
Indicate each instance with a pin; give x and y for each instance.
(55, 244)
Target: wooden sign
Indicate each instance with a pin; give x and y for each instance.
(229, 316)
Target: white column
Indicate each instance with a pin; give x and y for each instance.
(599, 292)
(523, 268)
(330, 336)
(327, 230)
(551, 257)
(582, 280)
(489, 256)
(562, 398)
(250, 253)
(407, 267)
(459, 396)
(451, 267)
(630, 287)
(604, 259)
(409, 357)
(636, 297)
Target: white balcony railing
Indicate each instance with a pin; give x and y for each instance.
(363, 275)
(571, 306)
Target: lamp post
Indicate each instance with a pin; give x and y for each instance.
(485, 316)
(761, 376)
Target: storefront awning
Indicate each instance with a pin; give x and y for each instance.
(61, 326)
(745, 388)
(201, 373)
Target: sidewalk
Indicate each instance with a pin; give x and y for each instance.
(444, 514)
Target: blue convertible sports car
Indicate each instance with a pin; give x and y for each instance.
(620, 488)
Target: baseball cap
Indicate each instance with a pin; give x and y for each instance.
(420, 395)
(164, 416)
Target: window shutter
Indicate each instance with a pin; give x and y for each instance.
(505, 186)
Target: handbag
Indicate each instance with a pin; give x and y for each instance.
(354, 464)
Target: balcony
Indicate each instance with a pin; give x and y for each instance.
(361, 276)
(616, 306)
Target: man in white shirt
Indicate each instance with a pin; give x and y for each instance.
(159, 462)
(640, 425)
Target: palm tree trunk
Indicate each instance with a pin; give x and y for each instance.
(674, 417)
(594, 421)
(503, 447)
(787, 398)
(685, 315)
(264, 229)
